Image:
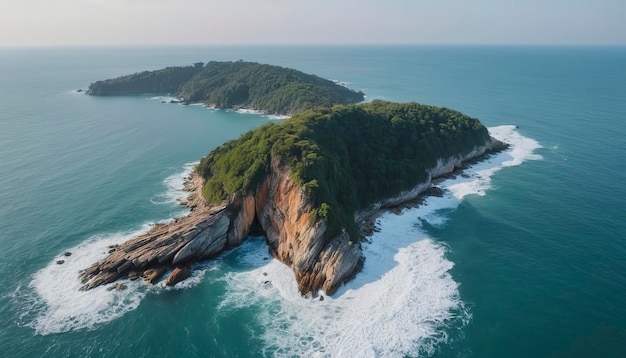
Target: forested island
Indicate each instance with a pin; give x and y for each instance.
(261, 87)
(308, 184)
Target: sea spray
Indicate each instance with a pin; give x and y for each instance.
(62, 306)
(174, 193)
(403, 302)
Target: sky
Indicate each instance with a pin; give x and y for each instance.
(259, 22)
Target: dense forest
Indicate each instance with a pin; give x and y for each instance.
(346, 157)
(166, 81)
(267, 88)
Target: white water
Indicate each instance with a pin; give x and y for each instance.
(174, 192)
(400, 304)
(403, 300)
(63, 306)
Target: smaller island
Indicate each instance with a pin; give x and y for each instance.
(234, 85)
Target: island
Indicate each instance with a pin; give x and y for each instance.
(234, 85)
(310, 185)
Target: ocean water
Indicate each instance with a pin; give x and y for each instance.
(524, 255)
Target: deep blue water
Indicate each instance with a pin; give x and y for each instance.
(534, 267)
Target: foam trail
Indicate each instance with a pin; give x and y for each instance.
(64, 306)
(521, 150)
(260, 113)
(174, 192)
(403, 302)
(165, 99)
(61, 306)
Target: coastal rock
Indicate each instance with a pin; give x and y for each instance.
(117, 287)
(179, 274)
(154, 274)
(281, 208)
(322, 249)
(199, 235)
(243, 217)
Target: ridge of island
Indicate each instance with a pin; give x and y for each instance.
(233, 85)
(310, 184)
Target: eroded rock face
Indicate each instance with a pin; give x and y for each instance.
(199, 235)
(281, 208)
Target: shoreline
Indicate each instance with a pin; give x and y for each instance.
(208, 230)
(367, 220)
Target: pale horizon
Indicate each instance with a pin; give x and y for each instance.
(38, 23)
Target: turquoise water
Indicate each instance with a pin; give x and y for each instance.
(526, 257)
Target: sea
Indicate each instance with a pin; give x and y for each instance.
(523, 256)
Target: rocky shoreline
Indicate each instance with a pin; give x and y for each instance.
(196, 236)
(281, 210)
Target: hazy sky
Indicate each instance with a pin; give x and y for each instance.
(186, 22)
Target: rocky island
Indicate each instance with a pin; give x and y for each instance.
(233, 85)
(309, 184)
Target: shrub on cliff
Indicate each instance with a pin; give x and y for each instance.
(345, 157)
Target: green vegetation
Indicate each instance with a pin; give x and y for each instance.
(345, 157)
(267, 88)
(166, 81)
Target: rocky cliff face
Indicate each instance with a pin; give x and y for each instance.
(281, 208)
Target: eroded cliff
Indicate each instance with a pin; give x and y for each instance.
(310, 184)
(283, 211)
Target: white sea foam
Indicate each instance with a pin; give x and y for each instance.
(402, 303)
(165, 99)
(276, 117)
(64, 306)
(341, 83)
(478, 176)
(61, 306)
(261, 113)
(174, 192)
(404, 300)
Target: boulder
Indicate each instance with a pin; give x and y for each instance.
(179, 274)
(154, 274)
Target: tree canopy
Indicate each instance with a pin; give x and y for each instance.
(346, 157)
(267, 88)
(165, 81)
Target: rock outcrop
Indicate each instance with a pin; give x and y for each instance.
(178, 274)
(280, 207)
(200, 235)
(283, 211)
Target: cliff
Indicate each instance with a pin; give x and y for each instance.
(266, 88)
(303, 183)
